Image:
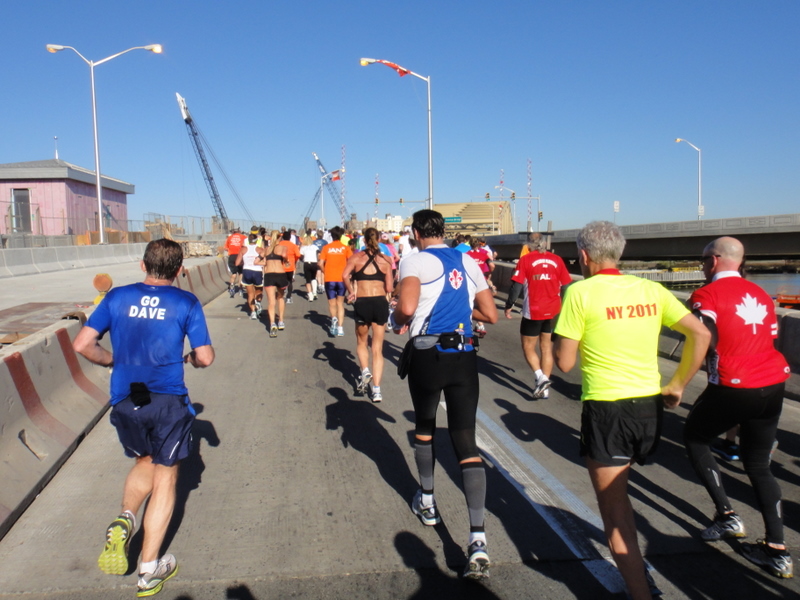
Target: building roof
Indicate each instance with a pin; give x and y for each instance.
(58, 169)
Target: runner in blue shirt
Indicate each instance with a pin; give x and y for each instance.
(151, 410)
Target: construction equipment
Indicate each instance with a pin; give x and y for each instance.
(197, 140)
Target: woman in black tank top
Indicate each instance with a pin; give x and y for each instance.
(368, 280)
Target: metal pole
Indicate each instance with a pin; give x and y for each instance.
(322, 202)
(430, 150)
(699, 184)
(98, 183)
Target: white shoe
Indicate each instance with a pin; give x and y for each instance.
(340, 332)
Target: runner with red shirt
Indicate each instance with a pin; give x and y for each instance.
(233, 245)
(746, 379)
(542, 275)
(484, 260)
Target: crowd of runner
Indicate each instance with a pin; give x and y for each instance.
(441, 295)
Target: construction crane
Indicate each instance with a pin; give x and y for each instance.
(197, 140)
(334, 193)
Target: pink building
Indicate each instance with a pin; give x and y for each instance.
(54, 197)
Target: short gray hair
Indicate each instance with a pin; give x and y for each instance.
(536, 241)
(602, 240)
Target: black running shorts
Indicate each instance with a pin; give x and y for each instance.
(277, 280)
(310, 271)
(534, 328)
(232, 267)
(371, 310)
(619, 432)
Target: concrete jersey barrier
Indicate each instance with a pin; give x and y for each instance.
(30, 261)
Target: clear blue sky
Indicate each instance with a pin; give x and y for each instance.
(594, 93)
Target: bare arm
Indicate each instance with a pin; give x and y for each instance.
(87, 344)
(485, 309)
(348, 270)
(239, 257)
(694, 351)
(200, 357)
(388, 282)
(407, 301)
(565, 353)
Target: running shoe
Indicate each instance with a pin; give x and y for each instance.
(334, 326)
(288, 299)
(363, 381)
(340, 332)
(478, 564)
(427, 514)
(480, 330)
(320, 290)
(654, 589)
(114, 557)
(258, 308)
(542, 384)
(777, 562)
(724, 527)
(273, 331)
(281, 325)
(232, 290)
(151, 583)
(241, 292)
(253, 316)
(544, 395)
(726, 449)
(376, 396)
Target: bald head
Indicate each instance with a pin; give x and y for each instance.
(729, 252)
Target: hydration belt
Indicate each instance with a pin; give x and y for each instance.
(446, 342)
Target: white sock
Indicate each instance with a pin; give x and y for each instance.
(427, 499)
(148, 567)
(539, 374)
(376, 389)
(477, 536)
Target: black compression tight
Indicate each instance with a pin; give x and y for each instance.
(757, 411)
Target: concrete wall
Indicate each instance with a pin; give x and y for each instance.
(26, 261)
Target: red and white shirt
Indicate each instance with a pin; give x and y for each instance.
(542, 274)
(744, 355)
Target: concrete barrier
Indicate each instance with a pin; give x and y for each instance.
(51, 397)
(29, 261)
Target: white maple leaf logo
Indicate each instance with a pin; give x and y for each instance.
(751, 312)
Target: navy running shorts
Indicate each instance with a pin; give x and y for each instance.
(161, 429)
(619, 432)
(250, 277)
(277, 280)
(534, 328)
(334, 289)
(371, 310)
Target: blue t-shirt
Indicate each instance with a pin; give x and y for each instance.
(148, 325)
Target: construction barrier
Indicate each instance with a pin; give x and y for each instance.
(29, 261)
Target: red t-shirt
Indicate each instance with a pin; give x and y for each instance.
(542, 274)
(480, 256)
(744, 355)
(234, 243)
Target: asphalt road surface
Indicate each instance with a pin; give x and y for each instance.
(299, 488)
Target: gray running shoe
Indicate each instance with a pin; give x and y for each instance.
(542, 384)
(478, 564)
(288, 300)
(281, 325)
(724, 527)
(273, 331)
(376, 396)
(151, 583)
(777, 562)
(363, 382)
(258, 308)
(334, 326)
(427, 514)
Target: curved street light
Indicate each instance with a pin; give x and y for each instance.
(699, 177)
(403, 72)
(53, 48)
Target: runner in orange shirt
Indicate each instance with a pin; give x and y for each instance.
(233, 245)
(289, 263)
(332, 260)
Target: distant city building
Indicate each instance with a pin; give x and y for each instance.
(390, 223)
(54, 197)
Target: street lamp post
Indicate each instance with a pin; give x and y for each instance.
(699, 177)
(402, 72)
(53, 48)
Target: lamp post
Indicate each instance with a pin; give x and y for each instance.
(699, 177)
(402, 72)
(53, 48)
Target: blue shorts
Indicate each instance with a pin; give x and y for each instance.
(250, 277)
(334, 289)
(161, 429)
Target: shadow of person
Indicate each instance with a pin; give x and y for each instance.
(501, 374)
(530, 426)
(340, 359)
(433, 582)
(239, 592)
(568, 389)
(318, 318)
(363, 432)
(391, 351)
(190, 472)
